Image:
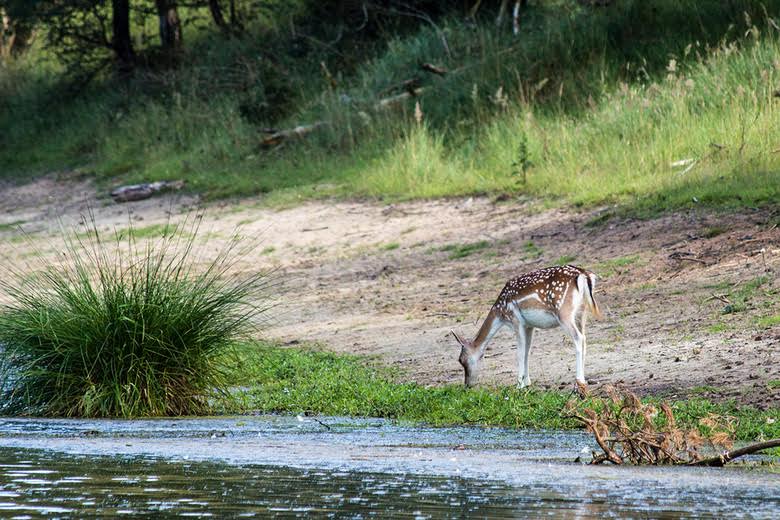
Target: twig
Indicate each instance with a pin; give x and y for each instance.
(320, 422)
(721, 297)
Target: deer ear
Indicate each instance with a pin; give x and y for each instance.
(458, 338)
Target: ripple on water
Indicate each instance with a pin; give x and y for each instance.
(287, 467)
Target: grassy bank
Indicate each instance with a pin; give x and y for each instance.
(653, 107)
(289, 380)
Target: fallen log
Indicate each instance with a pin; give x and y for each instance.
(135, 192)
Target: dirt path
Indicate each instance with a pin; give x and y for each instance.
(392, 280)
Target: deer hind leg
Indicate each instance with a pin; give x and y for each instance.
(578, 337)
(524, 337)
(580, 321)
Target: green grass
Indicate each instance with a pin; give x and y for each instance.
(565, 259)
(457, 251)
(713, 231)
(292, 380)
(704, 389)
(390, 246)
(717, 328)
(12, 226)
(614, 265)
(152, 231)
(123, 328)
(531, 250)
(768, 321)
(605, 121)
(742, 296)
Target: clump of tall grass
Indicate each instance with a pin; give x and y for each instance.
(124, 327)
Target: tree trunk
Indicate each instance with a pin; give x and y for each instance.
(170, 24)
(216, 14)
(122, 42)
(231, 26)
(14, 37)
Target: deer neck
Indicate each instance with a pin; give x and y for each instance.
(489, 327)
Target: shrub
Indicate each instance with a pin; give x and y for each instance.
(125, 327)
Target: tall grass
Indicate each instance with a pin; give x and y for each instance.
(584, 106)
(124, 328)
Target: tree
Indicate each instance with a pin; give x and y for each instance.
(15, 35)
(81, 32)
(121, 41)
(170, 24)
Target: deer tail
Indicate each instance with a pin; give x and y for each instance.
(586, 283)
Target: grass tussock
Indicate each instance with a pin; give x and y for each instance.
(124, 328)
(293, 380)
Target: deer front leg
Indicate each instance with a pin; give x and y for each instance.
(524, 337)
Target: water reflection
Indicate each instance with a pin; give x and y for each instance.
(37, 483)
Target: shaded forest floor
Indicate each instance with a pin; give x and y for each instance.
(692, 299)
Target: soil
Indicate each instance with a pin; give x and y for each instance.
(391, 281)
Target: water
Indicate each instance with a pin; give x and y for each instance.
(295, 467)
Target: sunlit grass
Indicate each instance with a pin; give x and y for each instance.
(295, 380)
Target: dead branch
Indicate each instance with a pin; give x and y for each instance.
(721, 297)
(430, 67)
(626, 431)
(135, 192)
(394, 100)
(299, 131)
(728, 456)
(685, 255)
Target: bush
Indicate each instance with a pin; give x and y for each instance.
(125, 327)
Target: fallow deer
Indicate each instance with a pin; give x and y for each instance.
(543, 299)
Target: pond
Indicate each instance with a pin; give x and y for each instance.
(303, 466)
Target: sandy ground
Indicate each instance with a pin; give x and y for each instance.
(381, 280)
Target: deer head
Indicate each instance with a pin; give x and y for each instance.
(469, 358)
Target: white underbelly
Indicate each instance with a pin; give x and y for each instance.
(539, 319)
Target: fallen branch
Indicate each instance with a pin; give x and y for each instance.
(299, 131)
(276, 137)
(728, 456)
(627, 431)
(394, 100)
(430, 67)
(135, 192)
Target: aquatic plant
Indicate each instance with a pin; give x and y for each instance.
(125, 327)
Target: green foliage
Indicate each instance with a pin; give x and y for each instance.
(293, 380)
(122, 328)
(645, 87)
